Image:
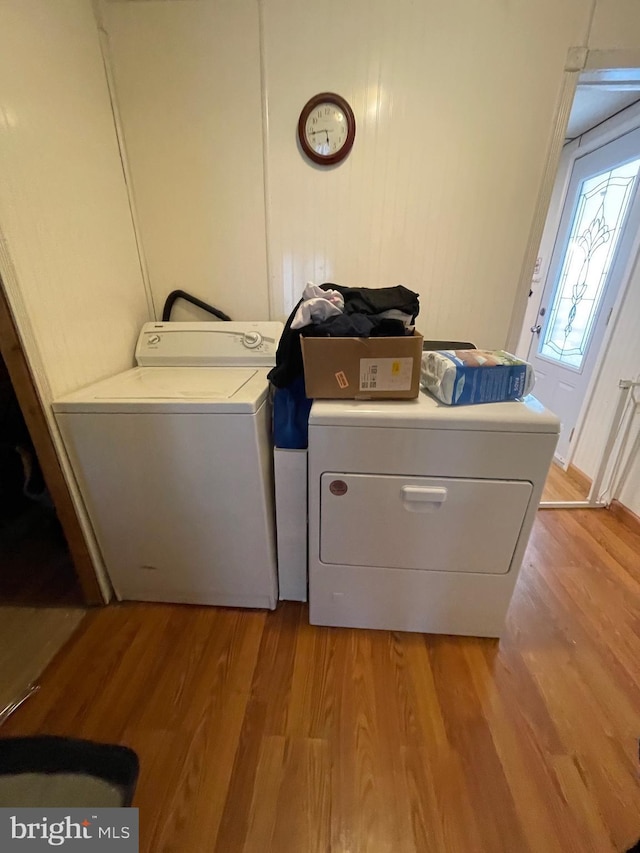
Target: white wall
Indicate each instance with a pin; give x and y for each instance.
(64, 211)
(629, 493)
(187, 77)
(621, 361)
(454, 104)
(68, 256)
(616, 25)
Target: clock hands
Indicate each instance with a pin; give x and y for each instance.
(326, 132)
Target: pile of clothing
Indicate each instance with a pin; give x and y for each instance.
(330, 310)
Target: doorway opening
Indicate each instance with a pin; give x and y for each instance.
(36, 567)
(41, 602)
(583, 275)
(41, 597)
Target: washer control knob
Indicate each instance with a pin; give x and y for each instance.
(252, 339)
(153, 339)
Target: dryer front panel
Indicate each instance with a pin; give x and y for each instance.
(438, 524)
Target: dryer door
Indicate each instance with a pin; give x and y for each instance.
(438, 524)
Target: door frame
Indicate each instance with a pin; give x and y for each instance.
(598, 140)
(34, 416)
(578, 60)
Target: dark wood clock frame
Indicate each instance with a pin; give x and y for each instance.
(323, 98)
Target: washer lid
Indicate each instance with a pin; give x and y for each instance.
(172, 389)
(425, 412)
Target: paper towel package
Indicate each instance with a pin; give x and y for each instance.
(457, 377)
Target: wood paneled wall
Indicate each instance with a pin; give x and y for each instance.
(454, 104)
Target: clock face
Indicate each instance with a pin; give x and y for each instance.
(326, 129)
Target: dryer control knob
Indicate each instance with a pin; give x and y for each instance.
(252, 339)
(153, 339)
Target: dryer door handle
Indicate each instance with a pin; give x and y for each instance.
(423, 498)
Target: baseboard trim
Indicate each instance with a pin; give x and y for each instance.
(625, 515)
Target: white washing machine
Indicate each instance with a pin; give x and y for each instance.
(420, 513)
(174, 462)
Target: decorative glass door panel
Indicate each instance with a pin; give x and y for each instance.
(598, 222)
(591, 259)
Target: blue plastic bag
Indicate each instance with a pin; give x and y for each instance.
(291, 408)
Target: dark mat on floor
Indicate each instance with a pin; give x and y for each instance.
(58, 772)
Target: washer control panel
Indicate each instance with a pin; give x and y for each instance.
(208, 344)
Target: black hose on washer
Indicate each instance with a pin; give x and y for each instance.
(182, 294)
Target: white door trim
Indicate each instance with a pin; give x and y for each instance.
(563, 109)
(546, 247)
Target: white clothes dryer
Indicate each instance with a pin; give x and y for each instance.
(420, 513)
(174, 463)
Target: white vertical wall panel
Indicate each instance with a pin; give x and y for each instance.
(630, 492)
(454, 104)
(187, 76)
(621, 361)
(64, 214)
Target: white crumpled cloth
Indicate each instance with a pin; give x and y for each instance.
(318, 304)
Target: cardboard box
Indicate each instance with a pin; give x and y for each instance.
(362, 368)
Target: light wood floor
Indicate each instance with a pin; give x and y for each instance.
(258, 732)
(563, 485)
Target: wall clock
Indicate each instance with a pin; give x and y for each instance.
(326, 129)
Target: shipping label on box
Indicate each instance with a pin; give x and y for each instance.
(385, 374)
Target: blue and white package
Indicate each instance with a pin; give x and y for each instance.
(456, 377)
